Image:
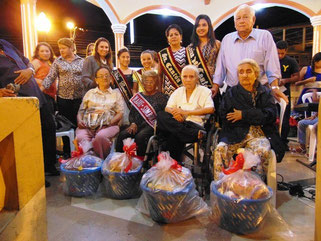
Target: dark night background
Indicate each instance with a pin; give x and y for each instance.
(149, 28)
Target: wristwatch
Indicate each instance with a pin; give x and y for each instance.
(275, 87)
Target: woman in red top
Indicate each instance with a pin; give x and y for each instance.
(42, 59)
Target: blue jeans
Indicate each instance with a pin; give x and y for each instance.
(302, 125)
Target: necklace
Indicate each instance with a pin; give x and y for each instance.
(103, 61)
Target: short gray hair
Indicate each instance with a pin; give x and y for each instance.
(244, 6)
(150, 73)
(254, 65)
(194, 68)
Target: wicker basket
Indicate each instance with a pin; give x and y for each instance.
(122, 185)
(81, 183)
(240, 217)
(169, 207)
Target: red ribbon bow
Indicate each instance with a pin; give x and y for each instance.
(77, 153)
(131, 152)
(236, 165)
(175, 165)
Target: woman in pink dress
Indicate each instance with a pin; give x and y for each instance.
(42, 60)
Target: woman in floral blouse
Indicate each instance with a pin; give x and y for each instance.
(67, 69)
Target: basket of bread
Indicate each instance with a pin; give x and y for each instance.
(240, 199)
(122, 172)
(169, 193)
(81, 173)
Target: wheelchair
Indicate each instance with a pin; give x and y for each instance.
(197, 156)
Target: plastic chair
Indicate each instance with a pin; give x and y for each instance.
(70, 134)
(312, 141)
(282, 104)
(311, 129)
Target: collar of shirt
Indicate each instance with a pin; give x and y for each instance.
(251, 35)
(109, 91)
(76, 58)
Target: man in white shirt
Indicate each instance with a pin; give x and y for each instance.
(184, 116)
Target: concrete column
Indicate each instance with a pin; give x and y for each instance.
(29, 31)
(119, 30)
(316, 23)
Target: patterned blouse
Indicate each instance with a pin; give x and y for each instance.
(70, 85)
(210, 54)
(180, 58)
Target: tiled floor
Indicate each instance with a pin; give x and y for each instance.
(99, 218)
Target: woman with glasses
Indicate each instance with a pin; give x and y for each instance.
(99, 114)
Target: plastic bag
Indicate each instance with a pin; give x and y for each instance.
(240, 200)
(80, 161)
(123, 162)
(122, 172)
(96, 117)
(169, 193)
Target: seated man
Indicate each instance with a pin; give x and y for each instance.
(248, 114)
(142, 115)
(15, 68)
(99, 114)
(303, 124)
(184, 116)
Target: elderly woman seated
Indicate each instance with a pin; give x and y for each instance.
(184, 116)
(248, 115)
(142, 115)
(99, 114)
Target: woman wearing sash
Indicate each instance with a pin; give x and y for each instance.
(142, 115)
(203, 50)
(172, 60)
(146, 58)
(101, 57)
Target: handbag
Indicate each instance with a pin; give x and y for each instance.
(62, 123)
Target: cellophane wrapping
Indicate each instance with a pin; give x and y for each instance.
(169, 193)
(81, 175)
(122, 173)
(241, 203)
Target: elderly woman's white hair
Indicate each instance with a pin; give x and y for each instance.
(254, 65)
(192, 67)
(150, 73)
(244, 6)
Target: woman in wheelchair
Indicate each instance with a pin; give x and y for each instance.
(99, 114)
(248, 115)
(142, 115)
(184, 116)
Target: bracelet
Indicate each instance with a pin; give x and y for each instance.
(275, 87)
(33, 71)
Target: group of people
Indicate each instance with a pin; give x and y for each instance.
(177, 88)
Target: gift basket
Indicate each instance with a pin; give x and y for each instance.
(81, 173)
(240, 199)
(122, 172)
(169, 193)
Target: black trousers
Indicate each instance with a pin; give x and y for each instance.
(69, 109)
(141, 138)
(176, 134)
(48, 131)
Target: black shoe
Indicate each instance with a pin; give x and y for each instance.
(52, 171)
(47, 184)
